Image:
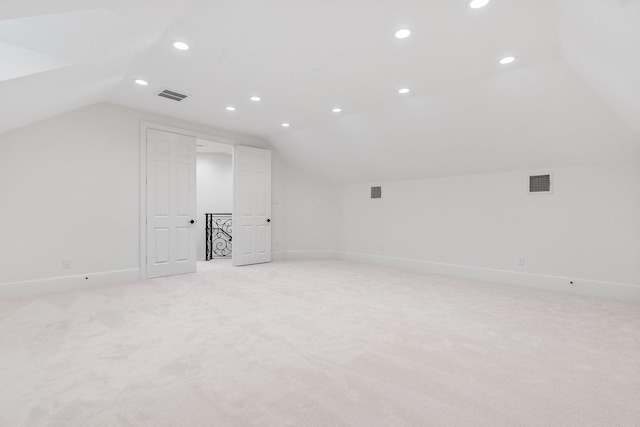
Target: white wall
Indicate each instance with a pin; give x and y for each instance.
(70, 188)
(214, 190)
(587, 230)
(309, 208)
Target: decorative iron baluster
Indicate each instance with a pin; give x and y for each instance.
(218, 234)
(209, 234)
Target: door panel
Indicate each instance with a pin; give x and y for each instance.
(161, 236)
(171, 182)
(184, 196)
(261, 238)
(252, 206)
(183, 243)
(162, 182)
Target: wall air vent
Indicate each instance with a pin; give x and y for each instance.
(540, 183)
(376, 192)
(173, 95)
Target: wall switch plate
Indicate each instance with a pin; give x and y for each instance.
(66, 263)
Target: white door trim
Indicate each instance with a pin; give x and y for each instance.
(144, 125)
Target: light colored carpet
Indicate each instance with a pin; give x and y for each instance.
(317, 343)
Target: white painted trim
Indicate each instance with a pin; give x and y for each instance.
(188, 132)
(620, 291)
(142, 245)
(144, 125)
(67, 283)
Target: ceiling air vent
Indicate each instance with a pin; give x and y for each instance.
(376, 192)
(540, 183)
(172, 94)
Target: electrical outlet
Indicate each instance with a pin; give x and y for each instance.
(521, 260)
(440, 253)
(381, 248)
(66, 263)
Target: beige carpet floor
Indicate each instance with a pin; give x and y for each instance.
(317, 343)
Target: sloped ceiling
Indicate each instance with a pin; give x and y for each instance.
(572, 96)
(601, 42)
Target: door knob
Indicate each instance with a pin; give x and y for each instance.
(193, 221)
(268, 219)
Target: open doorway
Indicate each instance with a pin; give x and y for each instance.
(171, 224)
(214, 200)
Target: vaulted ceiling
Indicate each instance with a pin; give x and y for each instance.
(571, 96)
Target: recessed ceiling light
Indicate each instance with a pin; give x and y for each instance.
(477, 4)
(337, 110)
(230, 108)
(403, 33)
(404, 90)
(285, 125)
(507, 60)
(180, 45)
(255, 98)
(141, 82)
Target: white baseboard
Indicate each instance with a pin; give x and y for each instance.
(302, 255)
(619, 291)
(67, 283)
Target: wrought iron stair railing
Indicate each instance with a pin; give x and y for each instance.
(218, 235)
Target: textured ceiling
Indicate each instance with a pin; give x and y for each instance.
(573, 95)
